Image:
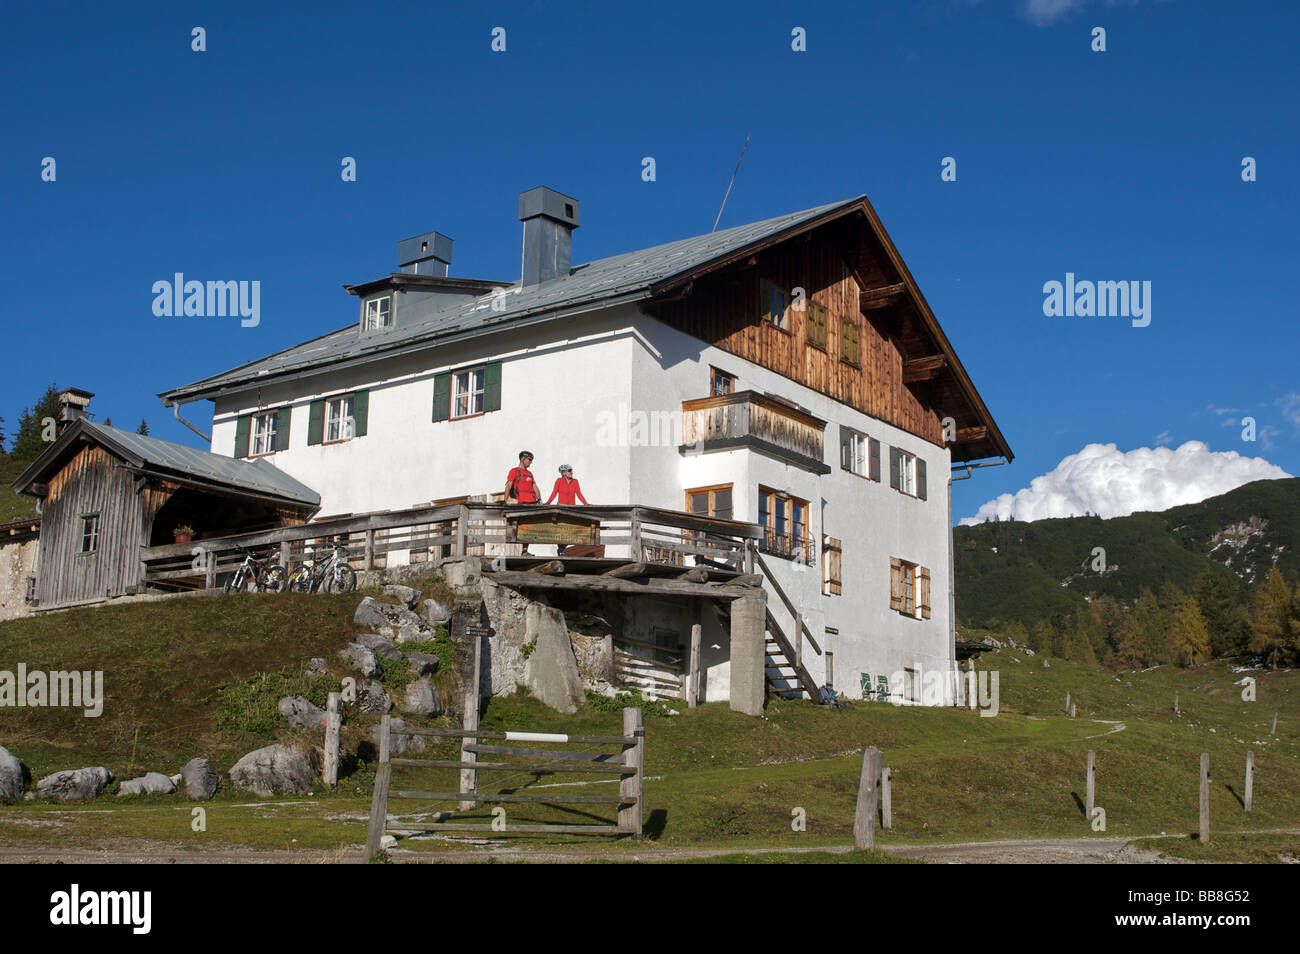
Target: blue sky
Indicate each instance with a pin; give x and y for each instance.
(1122, 165)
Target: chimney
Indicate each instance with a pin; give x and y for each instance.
(549, 219)
(427, 254)
(72, 406)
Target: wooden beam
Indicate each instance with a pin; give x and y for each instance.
(880, 296)
(628, 570)
(605, 584)
(923, 369)
(965, 434)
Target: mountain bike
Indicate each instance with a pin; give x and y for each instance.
(257, 575)
(332, 575)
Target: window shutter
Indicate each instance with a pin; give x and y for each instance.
(492, 387)
(242, 427)
(282, 417)
(874, 458)
(846, 448)
(360, 413)
(442, 396)
(831, 566)
(895, 584)
(895, 463)
(920, 478)
(316, 422)
(924, 574)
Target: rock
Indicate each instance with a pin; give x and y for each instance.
(1046, 664)
(424, 664)
(373, 698)
(408, 595)
(317, 665)
(399, 745)
(388, 842)
(421, 699)
(276, 770)
(436, 613)
(360, 659)
(300, 713)
(12, 782)
(551, 671)
(379, 645)
(391, 620)
(74, 785)
(200, 779)
(177, 779)
(151, 783)
(463, 573)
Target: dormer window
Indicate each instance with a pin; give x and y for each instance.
(379, 313)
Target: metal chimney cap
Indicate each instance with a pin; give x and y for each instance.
(550, 204)
(420, 248)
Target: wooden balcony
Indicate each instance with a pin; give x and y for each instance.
(747, 419)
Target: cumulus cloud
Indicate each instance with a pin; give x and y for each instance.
(1106, 481)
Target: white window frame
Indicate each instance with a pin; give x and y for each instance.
(339, 422)
(470, 387)
(376, 317)
(262, 440)
(90, 533)
(859, 448)
(907, 473)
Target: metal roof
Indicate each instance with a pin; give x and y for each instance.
(628, 277)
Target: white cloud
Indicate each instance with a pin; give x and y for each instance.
(1290, 405)
(1106, 481)
(1044, 12)
(1164, 438)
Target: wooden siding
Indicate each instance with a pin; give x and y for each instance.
(745, 414)
(723, 309)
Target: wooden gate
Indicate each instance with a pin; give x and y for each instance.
(626, 766)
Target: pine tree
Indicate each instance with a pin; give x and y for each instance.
(2, 435)
(1191, 635)
(108, 422)
(29, 442)
(143, 429)
(1219, 597)
(1273, 618)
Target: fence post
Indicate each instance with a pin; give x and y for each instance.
(286, 558)
(1091, 799)
(798, 645)
(634, 534)
(1067, 703)
(864, 818)
(370, 550)
(1176, 712)
(1250, 780)
(379, 803)
(1273, 731)
(210, 572)
(1205, 798)
(333, 723)
(887, 798)
(631, 788)
(749, 556)
(462, 529)
(693, 685)
(469, 776)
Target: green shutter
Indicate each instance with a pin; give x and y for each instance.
(492, 387)
(282, 428)
(242, 427)
(360, 413)
(316, 422)
(873, 453)
(442, 396)
(895, 466)
(920, 478)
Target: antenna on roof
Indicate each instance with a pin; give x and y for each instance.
(730, 184)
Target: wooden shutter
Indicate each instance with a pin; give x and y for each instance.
(850, 342)
(492, 387)
(831, 566)
(242, 427)
(846, 448)
(816, 325)
(920, 478)
(924, 574)
(282, 417)
(316, 422)
(895, 465)
(895, 584)
(442, 396)
(360, 413)
(873, 457)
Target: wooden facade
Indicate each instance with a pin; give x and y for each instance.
(729, 420)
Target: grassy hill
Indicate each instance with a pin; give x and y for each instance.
(1043, 569)
(12, 505)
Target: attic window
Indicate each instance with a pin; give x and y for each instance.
(568, 209)
(379, 313)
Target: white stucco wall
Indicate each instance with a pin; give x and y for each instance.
(17, 563)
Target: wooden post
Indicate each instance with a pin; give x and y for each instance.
(286, 557)
(333, 724)
(864, 818)
(886, 798)
(693, 685)
(634, 532)
(631, 787)
(1250, 780)
(972, 695)
(379, 803)
(798, 643)
(462, 529)
(749, 556)
(1273, 731)
(1205, 798)
(1176, 712)
(370, 550)
(1067, 703)
(210, 572)
(1091, 799)
(1074, 710)
(469, 776)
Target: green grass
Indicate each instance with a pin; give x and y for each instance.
(1230, 848)
(13, 506)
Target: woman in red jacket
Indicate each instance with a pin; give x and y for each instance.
(566, 488)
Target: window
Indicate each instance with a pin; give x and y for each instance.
(907, 473)
(832, 584)
(784, 520)
(773, 303)
(379, 313)
(339, 422)
(710, 502)
(816, 320)
(90, 533)
(263, 434)
(469, 393)
(31, 590)
(720, 382)
(849, 343)
(909, 588)
(859, 454)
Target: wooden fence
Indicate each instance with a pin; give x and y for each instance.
(626, 766)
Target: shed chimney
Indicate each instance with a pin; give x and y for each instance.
(549, 219)
(72, 406)
(427, 254)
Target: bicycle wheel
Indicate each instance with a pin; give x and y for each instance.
(300, 580)
(274, 580)
(237, 583)
(343, 579)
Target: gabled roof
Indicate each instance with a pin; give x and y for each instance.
(162, 458)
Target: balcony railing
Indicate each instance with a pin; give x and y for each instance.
(757, 421)
(788, 546)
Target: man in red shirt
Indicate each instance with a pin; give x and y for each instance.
(521, 487)
(566, 488)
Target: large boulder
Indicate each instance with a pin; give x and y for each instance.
(421, 698)
(151, 783)
(300, 713)
(12, 781)
(388, 619)
(379, 645)
(435, 612)
(399, 745)
(424, 664)
(408, 595)
(372, 697)
(360, 659)
(276, 770)
(551, 671)
(199, 779)
(74, 785)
